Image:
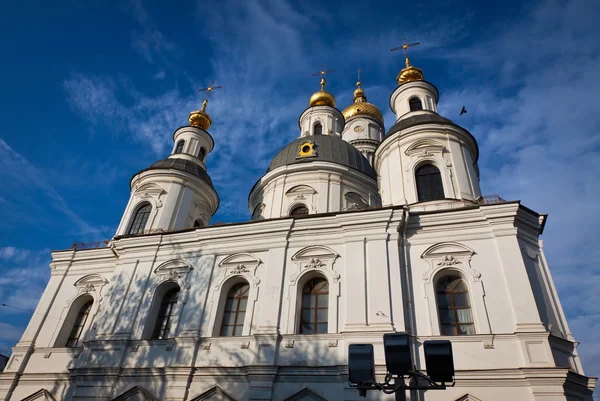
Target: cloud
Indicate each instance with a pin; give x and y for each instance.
(23, 185)
(539, 132)
(10, 252)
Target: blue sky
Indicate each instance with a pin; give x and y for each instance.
(93, 90)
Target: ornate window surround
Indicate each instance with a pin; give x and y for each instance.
(150, 193)
(312, 261)
(428, 152)
(87, 286)
(453, 258)
(175, 271)
(233, 269)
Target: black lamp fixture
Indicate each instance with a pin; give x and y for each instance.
(438, 360)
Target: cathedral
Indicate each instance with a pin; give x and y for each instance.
(356, 231)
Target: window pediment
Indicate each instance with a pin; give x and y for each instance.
(41, 395)
(447, 248)
(214, 394)
(301, 190)
(242, 258)
(425, 145)
(315, 251)
(305, 394)
(91, 279)
(173, 268)
(136, 393)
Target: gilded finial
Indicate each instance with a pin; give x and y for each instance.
(359, 93)
(200, 118)
(322, 98)
(409, 73)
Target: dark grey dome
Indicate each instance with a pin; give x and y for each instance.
(418, 120)
(328, 148)
(181, 165)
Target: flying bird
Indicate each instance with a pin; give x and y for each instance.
(463, 111)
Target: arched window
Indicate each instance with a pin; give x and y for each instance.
(141, 218)
(318, 129)
(79, 324)
(454, 307)
(315, 307)
(201, 153)
(197, 223)
(415, 104)
(299, 210)
(235, 310)
(429, 183)
(179, 147)
(164, 318)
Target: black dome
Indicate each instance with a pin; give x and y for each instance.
(181, 165)
(328, 148)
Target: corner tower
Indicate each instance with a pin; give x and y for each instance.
(177, 192)
(424, 156)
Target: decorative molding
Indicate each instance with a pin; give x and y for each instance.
(332, 343)
(449, 255)
(245, 345)
(449, 260)
(468, 397)
(300, 190)
(425, 148)
(316, 257)
(40, 395)
(305, 394)
(215, 393)
(240, 264)
(289, 343)
(136, 393)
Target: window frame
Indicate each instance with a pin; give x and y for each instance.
(142, 226)
(179, 146)
(69, 317)
(162, 330)
(429, 184)
(456, 325)
(297, 207)
(412, 101)
(301, 305)
(232, 293)
(320, 128)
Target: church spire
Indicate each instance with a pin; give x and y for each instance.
(200, 118)
(322, 97)
(409, 73)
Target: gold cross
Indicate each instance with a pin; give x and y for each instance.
(322, 74)
(405, 47)
(209, 89)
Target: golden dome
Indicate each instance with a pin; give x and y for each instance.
(322, 97)
(409, 74)
(362, 107)
(200, 118)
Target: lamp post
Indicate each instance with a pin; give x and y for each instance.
(438, 361)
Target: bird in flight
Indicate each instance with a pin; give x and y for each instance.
(463, 111)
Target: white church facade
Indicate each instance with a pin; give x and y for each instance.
(355, 232)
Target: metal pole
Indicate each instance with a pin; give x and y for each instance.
(401, 394)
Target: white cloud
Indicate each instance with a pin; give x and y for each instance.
(23, 185)
(539, 132)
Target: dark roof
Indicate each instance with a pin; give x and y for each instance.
(181, 165)
(429, 118)
(329, 148)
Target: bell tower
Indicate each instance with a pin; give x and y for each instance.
(177, 192)
(424, 157)
(321, 117)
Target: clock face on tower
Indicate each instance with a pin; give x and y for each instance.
(358, 129)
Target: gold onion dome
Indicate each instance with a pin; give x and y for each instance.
(362, 107)
(322, 97)
(409, 74)
(200, 118)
